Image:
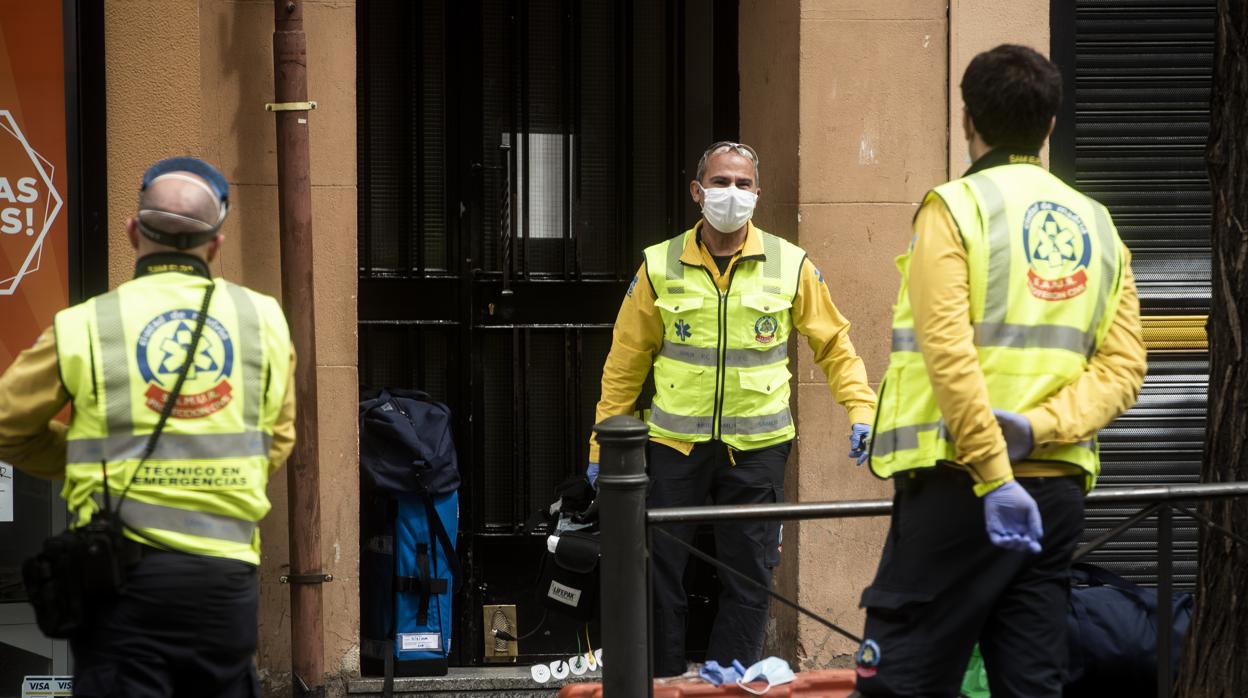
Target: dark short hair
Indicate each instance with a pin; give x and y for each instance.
(1012, 94)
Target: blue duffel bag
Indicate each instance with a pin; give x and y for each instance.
(1112, 635)
(409, 570)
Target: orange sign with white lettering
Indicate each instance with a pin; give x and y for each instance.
(34, 233)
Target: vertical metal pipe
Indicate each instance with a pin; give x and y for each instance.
(290, 60)
(1165, 607)
(625, 559)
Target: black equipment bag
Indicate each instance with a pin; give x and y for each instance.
(569, 577)
(1112, 635)
(409, 569)
(405, 443)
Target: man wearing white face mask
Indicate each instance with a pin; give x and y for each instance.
(711, 311)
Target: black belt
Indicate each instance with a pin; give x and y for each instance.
(133, 551)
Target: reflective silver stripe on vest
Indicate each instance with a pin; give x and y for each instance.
(904, 339)
(681, 425)
(740, 426)
(251, 352)
(762, 424)
(112, 341)
(675, 248)
(748, 358)
(1109, 264)
(1009, 335)
(119, 447)
(997, 297)
(1031, 336)
(906, 438)
(733, 358)
(138, 514)
(773, 264)
(699, 356)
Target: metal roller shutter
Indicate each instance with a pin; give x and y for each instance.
(1132, 135)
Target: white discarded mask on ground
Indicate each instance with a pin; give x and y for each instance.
(773, 670)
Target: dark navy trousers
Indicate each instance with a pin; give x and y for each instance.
(942, 586)
(708, 473)
(184, 627)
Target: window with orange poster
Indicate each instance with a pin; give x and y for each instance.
(50, 205)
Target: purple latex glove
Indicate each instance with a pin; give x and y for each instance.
(591, 473)
(1017, 432)
(859, 437)
(717, 675)
(1012, 519)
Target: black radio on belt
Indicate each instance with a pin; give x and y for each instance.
(76, 570)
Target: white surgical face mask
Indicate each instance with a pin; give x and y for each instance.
(773, 670)
(727, 208)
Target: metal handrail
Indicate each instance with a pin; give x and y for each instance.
(883, 507)
(625, 551)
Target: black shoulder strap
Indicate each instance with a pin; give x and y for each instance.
(387, 683)
(435, 525)
(170, 401)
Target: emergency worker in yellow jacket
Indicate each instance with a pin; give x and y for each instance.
(1016, 337)
(185, 623)
(711, 312)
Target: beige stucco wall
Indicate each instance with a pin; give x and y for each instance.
(857, 96)
(192, 77)
(978, 25)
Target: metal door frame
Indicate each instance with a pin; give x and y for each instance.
(472, 306)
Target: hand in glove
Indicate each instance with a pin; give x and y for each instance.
(1012, 519)
(1017, 432)
(859, 435)
(591, 473)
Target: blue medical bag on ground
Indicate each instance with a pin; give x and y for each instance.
(409, 570)
(408, 577)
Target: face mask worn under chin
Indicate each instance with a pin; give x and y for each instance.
(727, 208)
(773, 670)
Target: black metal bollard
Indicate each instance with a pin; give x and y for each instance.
(622, 485)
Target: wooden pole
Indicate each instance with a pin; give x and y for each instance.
(303, 470)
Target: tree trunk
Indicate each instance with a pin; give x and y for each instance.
(1214, 664)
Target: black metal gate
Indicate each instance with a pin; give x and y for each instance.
(515, 156)
(1132, 135)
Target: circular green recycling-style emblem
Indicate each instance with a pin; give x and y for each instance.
(765, 329)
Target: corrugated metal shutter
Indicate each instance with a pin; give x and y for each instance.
(1132, 135)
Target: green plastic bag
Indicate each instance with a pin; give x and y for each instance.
(975, 681)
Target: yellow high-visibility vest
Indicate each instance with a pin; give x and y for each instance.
(1046, 270)
(203, 489)
(723, 370)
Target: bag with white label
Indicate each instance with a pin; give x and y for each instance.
(409, 570)
(411, 576)
(568, 582)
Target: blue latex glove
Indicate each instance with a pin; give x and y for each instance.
(859, 435)
(717, 675)
(1017, 432)
(592, 474)
(1012, 519)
